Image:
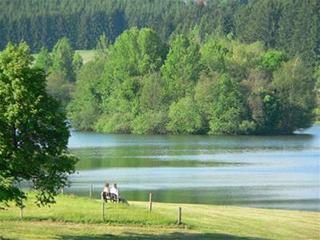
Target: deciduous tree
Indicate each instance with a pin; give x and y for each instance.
(33, 131)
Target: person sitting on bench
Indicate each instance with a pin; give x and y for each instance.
(115, 195)
(106, 194)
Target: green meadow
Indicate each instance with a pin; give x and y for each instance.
(74, 217)
(86, 55)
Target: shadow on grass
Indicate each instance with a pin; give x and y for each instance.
(3, 238)
(184, 236)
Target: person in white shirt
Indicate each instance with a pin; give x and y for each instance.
(106, 193)
(115, 192)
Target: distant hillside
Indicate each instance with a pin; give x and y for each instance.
(286, 24)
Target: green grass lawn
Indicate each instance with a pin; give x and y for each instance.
(81, 218)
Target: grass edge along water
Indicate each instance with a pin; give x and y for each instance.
(79, 216)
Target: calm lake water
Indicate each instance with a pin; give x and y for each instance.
(258, 171)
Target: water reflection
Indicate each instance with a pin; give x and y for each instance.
(272, 171)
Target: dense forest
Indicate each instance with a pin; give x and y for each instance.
(143, 85)
(291, 25)
(177, 67)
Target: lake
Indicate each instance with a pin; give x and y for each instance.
(255, 171)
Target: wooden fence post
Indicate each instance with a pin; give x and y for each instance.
(21, 213)
(150, 201)
(179, 216)
(90, 190)
(103, 213)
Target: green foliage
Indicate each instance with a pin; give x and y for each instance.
(181, 68)
(121, 108)
(33, 130)
(228, 112)
(243, 58)
(152, 117)
(272, 59)
(317, 92)
(118, 122)
(213, 54)
(62, 59)
(265, 107)
(152, 93)
(220, 86)
(259, 21)
(43, 59)
(102, 45)
(59, 87)
(150, 122)
(137, 52)
(295, 89)
(84, 108)
(66, 64)
(291, 26)
(184, 117)
(77, 62)
(205, 97)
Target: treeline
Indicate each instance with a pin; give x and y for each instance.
(61, 67)
(290, 25)
(142, 85)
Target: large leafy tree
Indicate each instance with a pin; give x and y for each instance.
(84, 107)
(205, 97)
(135, 53)
(59, 88)
(43, 59)
(62, 58)
(181, 68)
(295, 89)
(33, 131)
(228, 112)
(152, 117)
(184, 117)
(213, 54)
(62, 73)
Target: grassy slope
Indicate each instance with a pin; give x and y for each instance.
(87, 55)
(80, 218)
